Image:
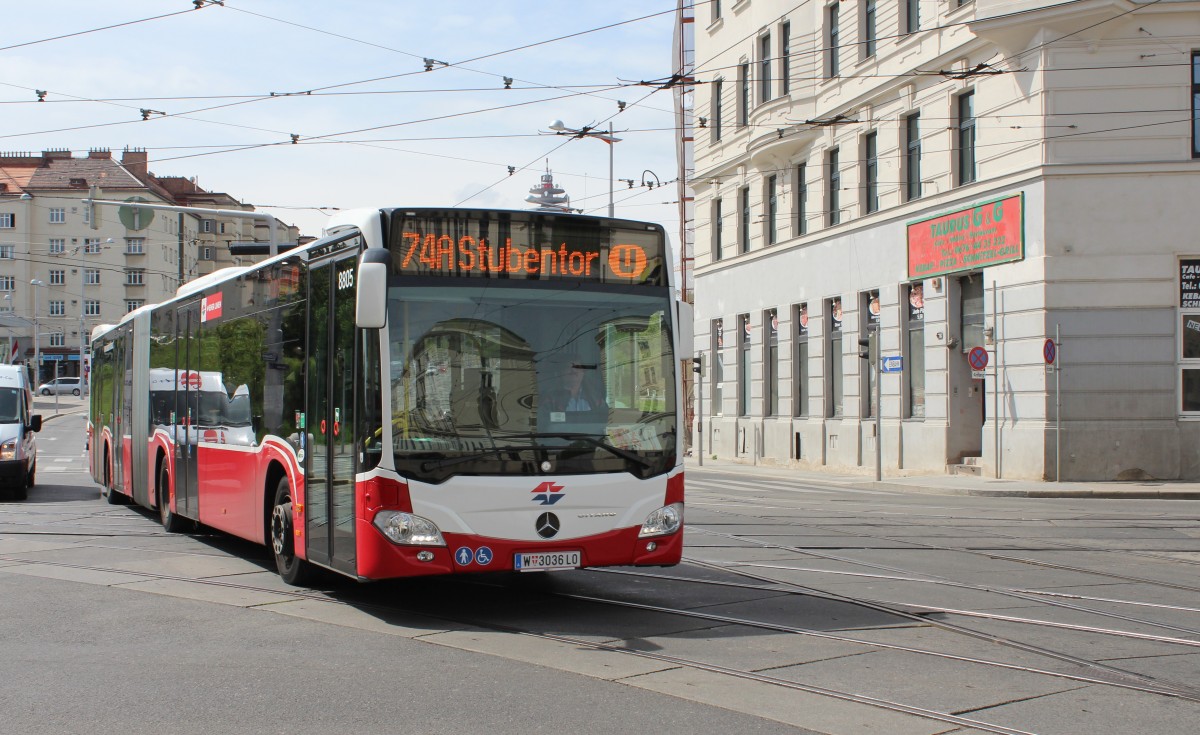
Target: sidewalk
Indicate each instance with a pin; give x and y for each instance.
(961, 484)
(67, 405)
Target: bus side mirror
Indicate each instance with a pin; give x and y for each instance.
(370, 300)
(684, 317)
(35, 422)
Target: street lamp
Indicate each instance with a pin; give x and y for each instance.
(37, 341)
(587, 132)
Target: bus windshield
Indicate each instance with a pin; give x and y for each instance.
(527, 378)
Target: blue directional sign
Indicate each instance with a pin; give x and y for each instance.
(483, 556)
(464, 555)
(891, 363)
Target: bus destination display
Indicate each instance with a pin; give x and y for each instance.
(528, 248)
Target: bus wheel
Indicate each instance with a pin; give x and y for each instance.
(171, 522)
(294, 571)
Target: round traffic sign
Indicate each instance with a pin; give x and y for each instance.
(1049, 351)
(978, 358)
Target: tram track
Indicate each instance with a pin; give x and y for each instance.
(683, 662)
(915, 544)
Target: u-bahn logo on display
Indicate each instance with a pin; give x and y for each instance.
(210, 307)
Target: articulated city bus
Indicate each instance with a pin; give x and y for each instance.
(421, 391)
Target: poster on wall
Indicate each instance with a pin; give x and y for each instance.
(916, 303)
(835, 315)
(986, 234)
(1189, 284)
(802, 321)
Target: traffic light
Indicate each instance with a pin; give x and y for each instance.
(868, 347)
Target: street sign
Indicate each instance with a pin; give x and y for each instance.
(891, 364)
(1049, 351)
(978, 357)
(978, 374)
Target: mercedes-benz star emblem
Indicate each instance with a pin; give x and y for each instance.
(547, 525)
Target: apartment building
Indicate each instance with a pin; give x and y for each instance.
(994, 195)
(66, 274)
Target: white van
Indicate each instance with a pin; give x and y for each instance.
(18, 448)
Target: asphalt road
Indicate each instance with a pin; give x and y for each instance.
(801, 607)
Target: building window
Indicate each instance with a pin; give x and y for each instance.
(136, 277)
(965, 143)
(58, 215)
(743, 111)
(1196, 104)
(222, 228)
(771, 363)
(58, 246)
(58, 339)
(771, 199)
(833, 187)
(870, 306)
(914, 353)
(8, 252)
(716, 10)
(912, 157)
(785, 58)
(206, 225)
(871, 172)
(206, 253)
(743, 367)
(58, 308)
(131, 304)
(135, 245)
(58, 278)
(833, 65)
(764, 67)
(801, 201)
(8, 220)
(91, 276)
(718, 227)
(8, 283)
(718, 367)
(91, 245)
(912, 16)
(744, 219)
(800, 362)
(868, 29)
(718, 89)
(91, 307)
(971, 311)
(833, 359)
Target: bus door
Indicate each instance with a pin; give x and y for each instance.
(329, 476)
(117, 424)
(187, 388)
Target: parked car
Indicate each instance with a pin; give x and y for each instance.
(60, 386)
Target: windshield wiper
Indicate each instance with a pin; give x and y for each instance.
(437, 464)
(624, 454)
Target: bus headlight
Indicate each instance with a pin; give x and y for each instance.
(408, 529)
(8, 450)
(663, 522)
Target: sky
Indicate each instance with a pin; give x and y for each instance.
(348, 77)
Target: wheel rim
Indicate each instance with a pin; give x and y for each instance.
(281, 524)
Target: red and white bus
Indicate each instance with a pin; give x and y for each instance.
(421, 391)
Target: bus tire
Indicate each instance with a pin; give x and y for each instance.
(171, 522)
(293, 570)
(112, 496)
